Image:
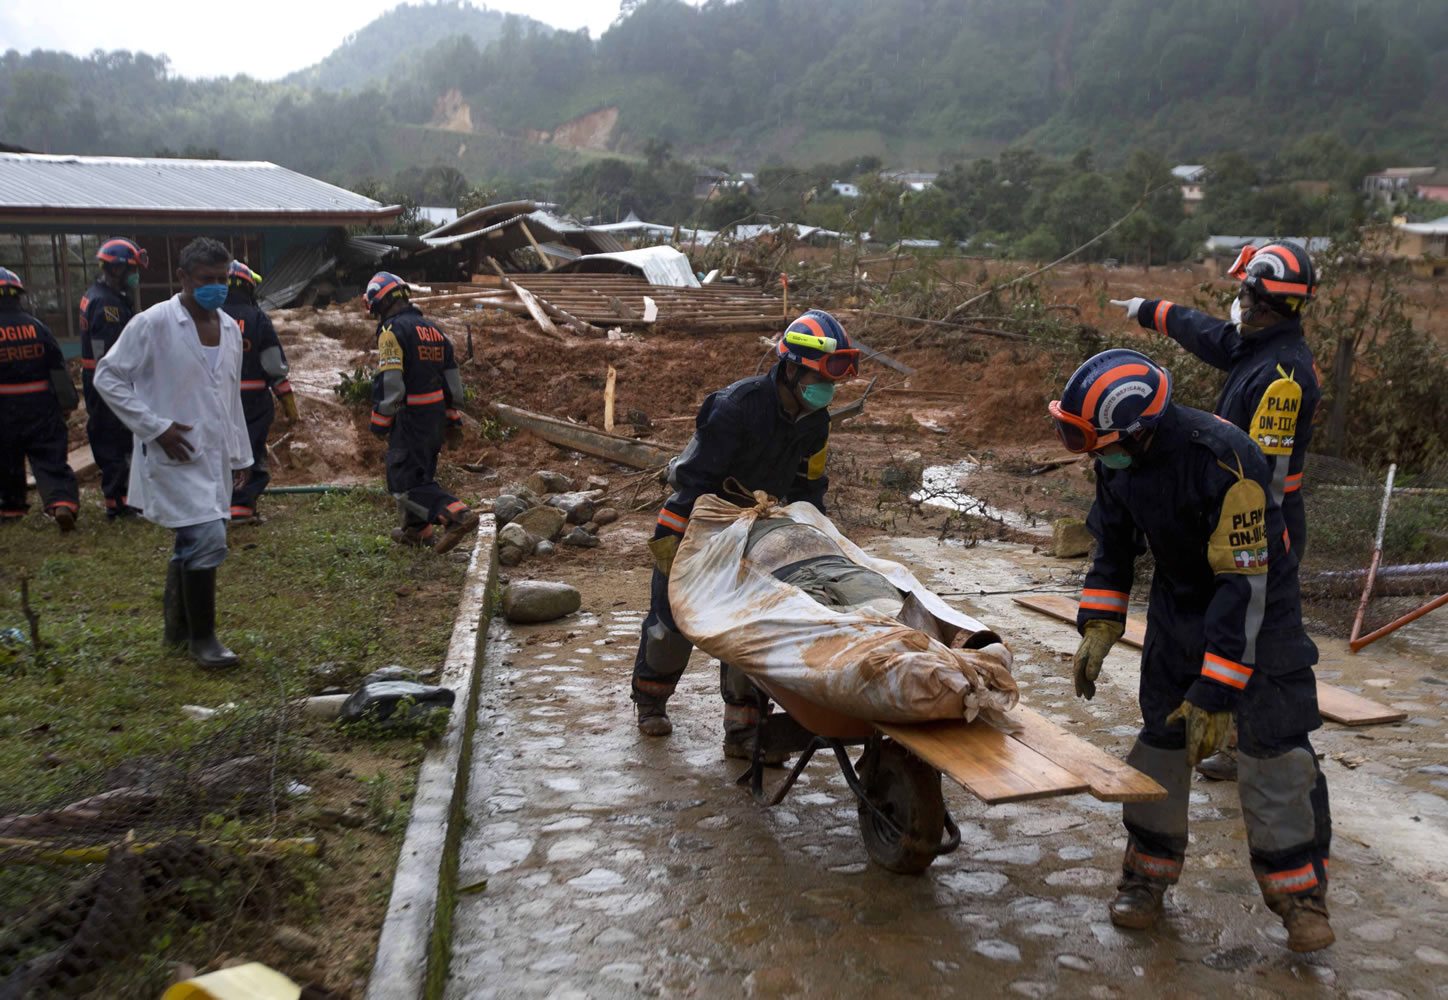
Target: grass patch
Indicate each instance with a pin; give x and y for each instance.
(319, 584)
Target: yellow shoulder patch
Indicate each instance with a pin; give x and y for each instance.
(389, 351)
(1274, 425)
(1239, 543)
(816, 467)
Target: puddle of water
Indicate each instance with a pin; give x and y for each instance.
(942, 486)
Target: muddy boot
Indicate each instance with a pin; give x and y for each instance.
(174, 608)
(409, 536)
(1138, 902)
(198, 589)
(653, 719)
(1220, 766)
(455, 532)
(64, 519)
(1305, 918)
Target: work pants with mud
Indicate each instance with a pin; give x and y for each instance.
(258, 409)
(34, 429)
(413, 445)
(110, 443)
(664, 653)
(1282, 789)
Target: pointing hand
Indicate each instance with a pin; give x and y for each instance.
(1132, 306)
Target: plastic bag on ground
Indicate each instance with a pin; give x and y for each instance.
(858, 661)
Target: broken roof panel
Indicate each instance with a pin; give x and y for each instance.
(658, 265)
(33, 184)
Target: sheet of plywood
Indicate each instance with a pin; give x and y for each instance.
(1335, 704)
(984, 760)
(1111, 780)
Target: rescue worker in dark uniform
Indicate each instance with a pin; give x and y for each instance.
(35, 394)
(105, 309)
(1271, 390)
(415, 398)
(771, 433)
(263, 373)
(1224, 635)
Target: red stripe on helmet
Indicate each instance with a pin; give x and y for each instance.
(1088, 407)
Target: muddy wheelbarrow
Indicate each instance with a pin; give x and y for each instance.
(903, 817)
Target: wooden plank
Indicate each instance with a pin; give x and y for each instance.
(1335, 704)
(625, 451)
(1064, 608)
(610, 381)
(1352, 709)
(985, 761)
(1111, 780)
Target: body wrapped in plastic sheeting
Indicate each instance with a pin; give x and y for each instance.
(727, 600)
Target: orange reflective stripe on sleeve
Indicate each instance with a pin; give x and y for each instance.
(1294, 483)
(378, 420)
(1225, 671)
(253, 383)
(673, 521)
(1104, 600)
(1158, 319)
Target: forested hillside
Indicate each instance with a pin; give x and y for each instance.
(916, 83)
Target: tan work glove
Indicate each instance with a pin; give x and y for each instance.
(663, 550)
(289, 407)
(1097, 638)
(1207, 732)
(453, 437)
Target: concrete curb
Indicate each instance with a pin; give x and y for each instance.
(416, 934)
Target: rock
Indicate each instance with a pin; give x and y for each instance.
(1232, 959)
(904, 472)
(1070, 539)
(543, 549)
(596, 483)
(544, 481)
(325, 706)
(328, 672)
(578, 506)
(542, 522)
(395, 705)
(539, 601)
(391, 672)
(507, 507)
(522, 492)
(511, 556)
(604, 515)
(580, 538)
(591, 527)
(515, 544)
(295, 941)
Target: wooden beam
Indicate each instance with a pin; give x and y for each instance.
(625, 451)
(1111, 780)
(546, 261)
(609, 382)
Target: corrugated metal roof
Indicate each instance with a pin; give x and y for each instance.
(111, 184)
(659, 265)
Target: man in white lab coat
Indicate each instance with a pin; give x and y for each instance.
(174, 378)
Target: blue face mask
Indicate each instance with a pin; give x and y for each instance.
(817, 395)
(1115, 460)
(210, 297)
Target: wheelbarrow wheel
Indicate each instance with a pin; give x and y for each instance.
(906, 791)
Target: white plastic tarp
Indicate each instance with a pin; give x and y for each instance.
(860, 663)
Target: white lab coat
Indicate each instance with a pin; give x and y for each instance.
(157, 373)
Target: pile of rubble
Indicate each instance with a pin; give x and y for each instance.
(549, 510)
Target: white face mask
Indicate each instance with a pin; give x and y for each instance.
(1237, 311)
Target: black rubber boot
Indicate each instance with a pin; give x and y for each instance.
(198, 587)
(1138, 902)
(174, 607)
(653, 718)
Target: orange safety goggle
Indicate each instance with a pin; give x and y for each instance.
(1077, 433)
(835, 364)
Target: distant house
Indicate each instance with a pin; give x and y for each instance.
(710, 183)
(1395, 182)
(1434, 186)
(1424, 245)
(1225, 248)
(845, 190)
(438, 215)
(1193, 178)
(909, 179)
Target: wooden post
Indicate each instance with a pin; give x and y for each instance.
(67, 305)
(609, 381)
(25, 260)
(1341, 393)
(784, 281)
(546, 261)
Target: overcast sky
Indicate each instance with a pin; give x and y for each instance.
(264, 38)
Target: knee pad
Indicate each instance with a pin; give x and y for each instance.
(666, 651)
(1277, 806)
(1169, 767)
